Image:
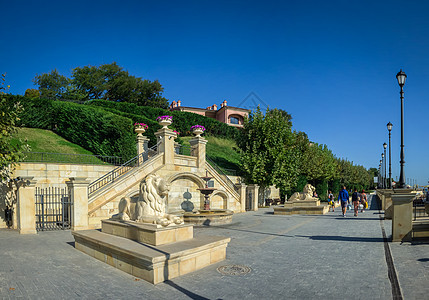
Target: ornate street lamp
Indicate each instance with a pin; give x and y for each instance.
(385, 166)
(389, 128)
(379, 175)
(401, 76)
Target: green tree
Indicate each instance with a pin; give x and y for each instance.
(51, 85)
(267, 152)
(112, 82)
(32, 93)
(9, 153)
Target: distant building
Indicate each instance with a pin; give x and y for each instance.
(233, 116)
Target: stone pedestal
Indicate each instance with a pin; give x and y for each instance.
(387, 195)
(253, 192)
(402, 224)
(166, 136)
(242, 192)
(148, 233)
(149, 252)
(302, 207)
(142, 148)
(198, 145)
(78, 188)
(26, 206)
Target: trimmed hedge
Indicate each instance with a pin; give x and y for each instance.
(99, 131)
(182, 121)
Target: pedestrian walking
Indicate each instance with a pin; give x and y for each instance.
(343, 196)
(355, 200)
(331, 200)
(364, 201)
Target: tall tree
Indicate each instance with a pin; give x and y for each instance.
(267, 151)
(51, 85)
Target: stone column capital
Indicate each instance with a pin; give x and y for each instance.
(77, 181)
(197, 140)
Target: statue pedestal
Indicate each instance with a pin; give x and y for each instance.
(149, 252)
(302, 207)
(148, 233)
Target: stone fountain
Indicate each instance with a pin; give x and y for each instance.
(208, 215)
(206, 191)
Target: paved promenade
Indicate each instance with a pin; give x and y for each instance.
(291, 257)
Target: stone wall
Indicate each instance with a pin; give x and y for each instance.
(49, 174)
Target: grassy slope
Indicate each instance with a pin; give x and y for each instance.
(41, 140)
(221, 151)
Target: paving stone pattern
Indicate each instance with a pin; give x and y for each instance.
(291, 257)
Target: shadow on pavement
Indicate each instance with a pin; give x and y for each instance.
(342, 238)
(185, 291)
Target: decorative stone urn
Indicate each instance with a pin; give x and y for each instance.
(139, 129)
(165, 122)
(198, 132)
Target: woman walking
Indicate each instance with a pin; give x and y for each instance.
(331, 200)
(364, 201)
(355, 200)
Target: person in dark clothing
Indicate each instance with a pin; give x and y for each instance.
(343, 196)
(356, 201)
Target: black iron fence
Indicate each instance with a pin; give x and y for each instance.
(53, 209)
(85, 159)
(419, 208)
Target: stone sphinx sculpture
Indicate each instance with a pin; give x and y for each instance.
(150, 207)
(307, 194)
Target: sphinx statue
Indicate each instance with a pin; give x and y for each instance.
(307, 194)
(150, 207)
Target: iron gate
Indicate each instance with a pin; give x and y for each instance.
(53, 209)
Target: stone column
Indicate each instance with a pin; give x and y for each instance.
(166, 136)
(78, 190)
(142, 147)
(388, 208)
(402, 218)
(26, 206)
(242, 192)
(198, 144)
(254, 190)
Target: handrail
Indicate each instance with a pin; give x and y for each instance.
(121, 170)
(222, 173)
(71, 158)
(114, 174)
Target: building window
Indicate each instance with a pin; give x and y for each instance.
(233, 120)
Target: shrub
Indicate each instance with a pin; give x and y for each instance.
(97, 130)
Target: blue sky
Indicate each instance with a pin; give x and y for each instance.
(331, 64)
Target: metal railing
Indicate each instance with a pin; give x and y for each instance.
(183, 150)
(85, 159)
(221, 173)
(118, 172)
(419, 208)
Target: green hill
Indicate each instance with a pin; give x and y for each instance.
(220, 151)
(41, 140)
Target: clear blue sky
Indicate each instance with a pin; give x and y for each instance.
(331, 64)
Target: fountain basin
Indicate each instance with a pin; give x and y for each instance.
(208, 217)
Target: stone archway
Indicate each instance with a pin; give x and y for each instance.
(183, 193)
(219, 200)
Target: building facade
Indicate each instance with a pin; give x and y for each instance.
(233, 116)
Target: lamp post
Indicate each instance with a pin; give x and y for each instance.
(389, 128)
(385, 166)
(401, 76)
(379, 175)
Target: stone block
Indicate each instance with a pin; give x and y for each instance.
(217, 255)
(187, 266)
